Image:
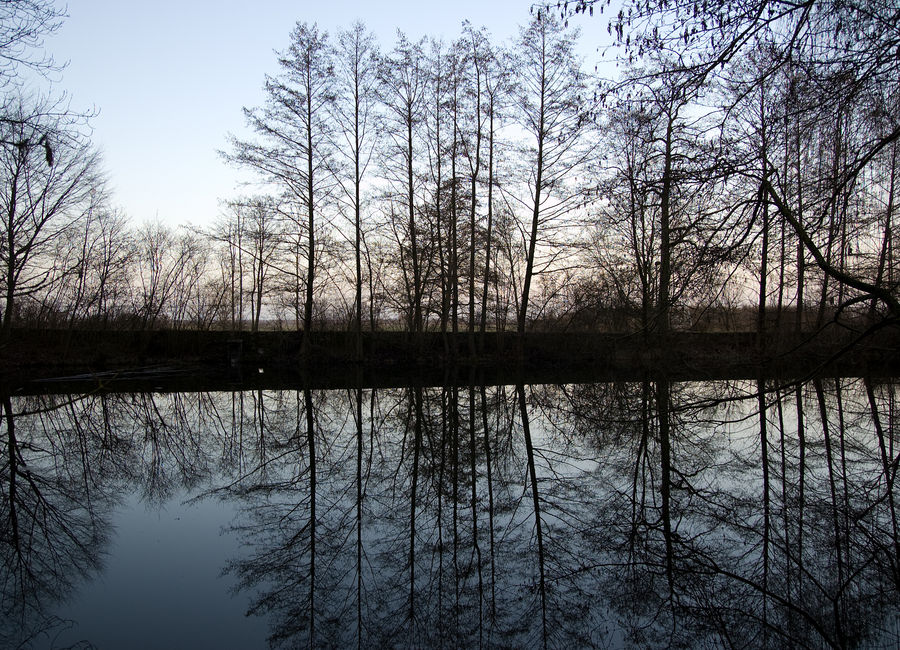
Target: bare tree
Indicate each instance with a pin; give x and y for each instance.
(92, 262)
(479, 63)
(262, 239)
(838, 56)
(169, 274)
(625, 243)
(229, 233)
(403, 83)
(495, 76)
(293, 148)
(356, 70)
(48, 172)
(551, 99)
(23, 26)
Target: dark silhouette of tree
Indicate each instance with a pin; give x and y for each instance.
(442, 236)
(837, 55)
(261, 241)
(356, 66)
(49, 172)
(294, 145)
(24, 24)
(92, 269)
(169, 269)
(403, 84)
(550, 98)
(494, 75)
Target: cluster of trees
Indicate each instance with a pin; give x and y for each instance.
(754, 141)
(418, 186)
(746, 156)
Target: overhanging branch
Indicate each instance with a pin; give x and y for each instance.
(875, 291)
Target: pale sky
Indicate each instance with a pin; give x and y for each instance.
(170, 78)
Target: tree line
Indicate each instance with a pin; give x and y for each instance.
(743, 161)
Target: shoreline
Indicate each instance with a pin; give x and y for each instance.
(183, 358)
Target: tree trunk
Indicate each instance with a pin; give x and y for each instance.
(665, 264)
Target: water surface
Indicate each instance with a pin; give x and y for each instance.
(629, 514)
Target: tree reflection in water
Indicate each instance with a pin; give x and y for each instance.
(67, 463)
(53, 511)
(639, 514)
(651, 513)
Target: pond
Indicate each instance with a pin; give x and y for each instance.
(622, 514)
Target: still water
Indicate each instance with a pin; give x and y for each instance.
(632, 514)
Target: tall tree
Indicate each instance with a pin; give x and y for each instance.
(293, 148)
(496, 80)
(356, 74)
(403, 82)
(479, 68)
(551, 99)
(436, 117)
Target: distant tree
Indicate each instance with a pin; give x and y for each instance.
(262, 240)
(188, 306)
(169, 275)
(155, 275)
(291, 284)
(110, 254)
(228, 233)
(91, 262)
(251, 237)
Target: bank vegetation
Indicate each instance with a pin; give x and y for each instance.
(739, 174)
